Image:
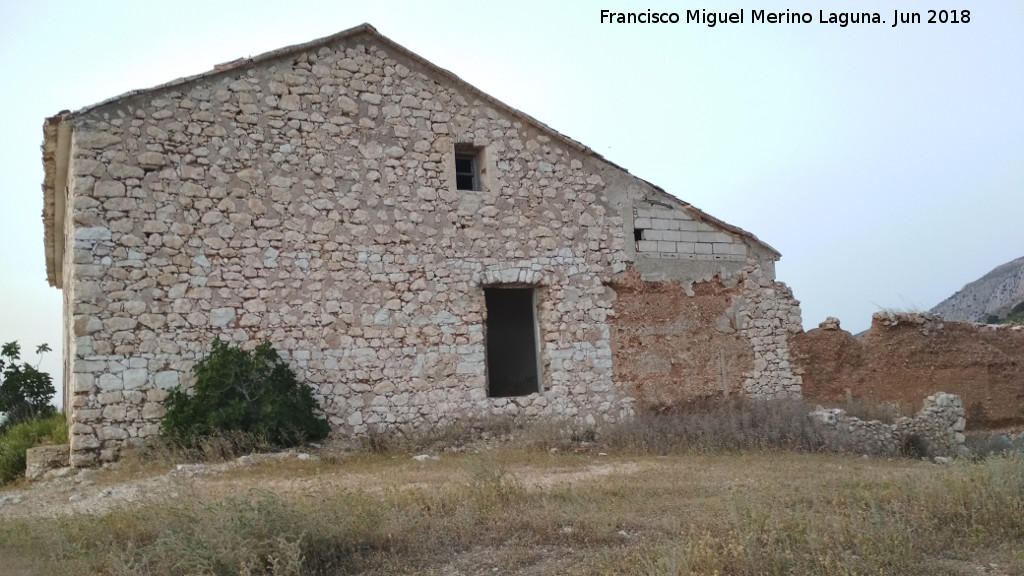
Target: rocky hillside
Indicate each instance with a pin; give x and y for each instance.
(994, 294)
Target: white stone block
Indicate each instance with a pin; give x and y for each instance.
(153, 411)
(166, 379)
(685, 247)
(93, 233)
(111, 432)
(714, 237)
(108, 382)
(222, 317)
(135, 378)
(115, 412)
(83, 382)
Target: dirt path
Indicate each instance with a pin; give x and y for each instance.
(97, 491)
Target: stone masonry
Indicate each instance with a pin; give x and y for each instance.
(937, 429)
(308, 197)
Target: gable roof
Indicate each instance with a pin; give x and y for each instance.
(56, 137)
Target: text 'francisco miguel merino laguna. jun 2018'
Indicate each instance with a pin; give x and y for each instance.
(713, 18)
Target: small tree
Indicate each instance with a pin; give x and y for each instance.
(238, 391)
(25, 392)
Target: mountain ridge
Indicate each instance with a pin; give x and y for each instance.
(994, 294)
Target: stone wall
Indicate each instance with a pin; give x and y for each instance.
(768, 317)
(310, 200)
(937, 430)
(904, 358)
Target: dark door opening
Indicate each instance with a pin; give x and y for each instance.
(512, 368)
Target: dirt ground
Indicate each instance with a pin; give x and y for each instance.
(697, 484)
(96, 491)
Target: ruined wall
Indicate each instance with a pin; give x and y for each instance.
(904, 358)
(936, 430)
(677, 342)
(676, 347)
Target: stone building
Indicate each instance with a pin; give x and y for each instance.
(417, 250)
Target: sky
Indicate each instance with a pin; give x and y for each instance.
(885, 163)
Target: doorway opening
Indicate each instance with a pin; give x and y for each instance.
(513, 368)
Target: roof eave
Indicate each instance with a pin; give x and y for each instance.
(56, 151)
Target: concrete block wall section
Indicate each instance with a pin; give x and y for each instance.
(673, 234)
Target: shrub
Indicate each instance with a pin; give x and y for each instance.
(20, 437)
(251, 392)
(25, 391)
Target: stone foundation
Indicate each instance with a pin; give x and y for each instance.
(42, 459)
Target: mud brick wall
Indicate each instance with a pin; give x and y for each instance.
(905, 358)
(679, 343)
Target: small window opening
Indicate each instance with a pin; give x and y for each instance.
(467, 173)
(638, 234)
(512, 366)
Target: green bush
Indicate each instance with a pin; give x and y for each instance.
(25, 391)
(251, 392)
(20, 437)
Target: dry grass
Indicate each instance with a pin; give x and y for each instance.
(532, 512)
(667, 497)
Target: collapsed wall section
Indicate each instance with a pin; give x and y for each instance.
(936, 430)
(904, 358)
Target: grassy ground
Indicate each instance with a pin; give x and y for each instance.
(510, 510)
(20, 437)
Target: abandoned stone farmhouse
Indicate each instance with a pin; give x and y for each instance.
(418, 251)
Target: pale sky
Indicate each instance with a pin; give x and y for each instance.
(885, 164)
